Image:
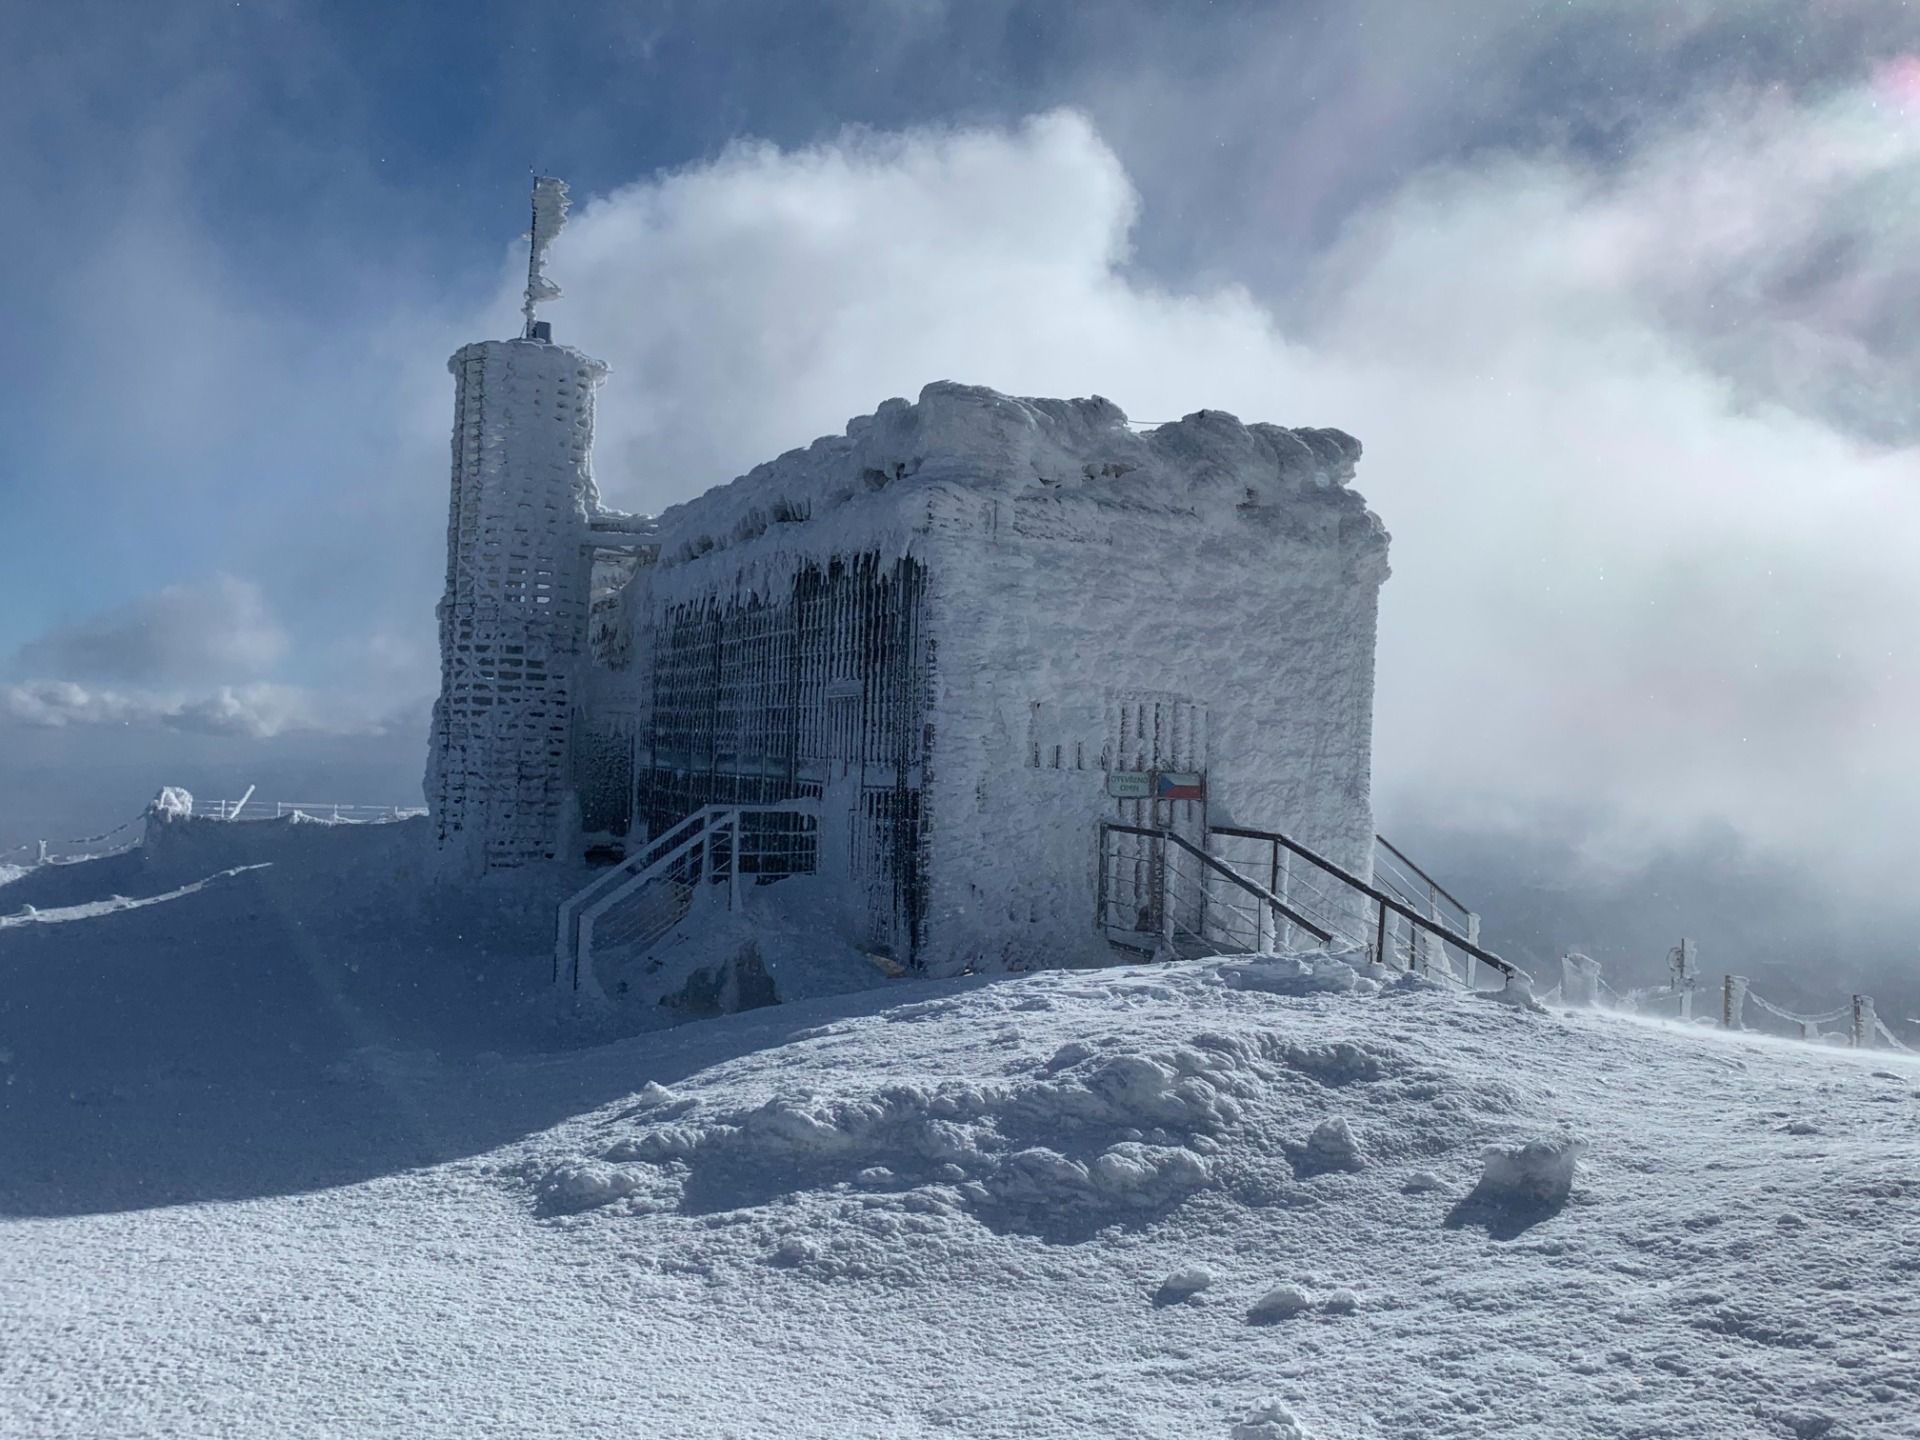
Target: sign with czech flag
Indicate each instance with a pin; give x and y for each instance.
(1179, 785)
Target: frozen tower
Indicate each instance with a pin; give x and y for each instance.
(513, 620)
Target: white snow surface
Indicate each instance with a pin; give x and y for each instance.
(284, 1158)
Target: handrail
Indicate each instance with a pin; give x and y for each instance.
(1407, 860)
(1379, 897)
(583, 947)
(564, 945)
(574, 925)
(1225, 871)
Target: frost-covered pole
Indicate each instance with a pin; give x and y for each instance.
(1864, 1021)
(1733, 1001)
(1166, 894)
(733, 870)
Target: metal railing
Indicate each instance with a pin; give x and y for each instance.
(1257, 891)
(1158, 890)
(1392, 926)
(634, 904)
(247, 808)
(1395, 872)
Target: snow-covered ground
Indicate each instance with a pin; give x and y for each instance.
(270, 1167)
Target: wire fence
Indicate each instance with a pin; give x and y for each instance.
(327, 810)
(1581, 983)
(30, 853)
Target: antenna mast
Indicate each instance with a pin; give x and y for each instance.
(549, 217)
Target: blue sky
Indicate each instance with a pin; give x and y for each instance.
(1617, 295)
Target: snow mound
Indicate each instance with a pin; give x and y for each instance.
(1295, 975)
(172, 803)
(1269, 1420)
(768, 1211)
(1534, 1172)
(1283, 1302)
(1062, 1140)
(1521, 1184)
(1183, 1285)
(784, 944)
(1517, 992)
(1331, 1146)
(1100, 1136)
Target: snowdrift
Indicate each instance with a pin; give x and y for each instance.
(1259, 1197)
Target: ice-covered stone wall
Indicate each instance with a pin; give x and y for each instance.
(1201, 596)
(514, 617)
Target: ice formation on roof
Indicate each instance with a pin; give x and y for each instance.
(1207, 465)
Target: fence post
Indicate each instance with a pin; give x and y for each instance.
(1283, 863)
(1734, 1003)
(1863, 1018)
(733, 870)
(1473, 938)
(1380, 936)
(1166, 892)
(1100, 884)
(42, 854)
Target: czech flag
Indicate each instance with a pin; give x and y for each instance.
(1171, 785)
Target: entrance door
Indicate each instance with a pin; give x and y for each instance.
(1163, 737)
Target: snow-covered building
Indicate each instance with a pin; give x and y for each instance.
(970, 629)
(975, 626)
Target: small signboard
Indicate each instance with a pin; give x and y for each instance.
(1129, 784)
(1179, 785)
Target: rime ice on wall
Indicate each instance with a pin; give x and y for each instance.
(953, 622)
(513, 620)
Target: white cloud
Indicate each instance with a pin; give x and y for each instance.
(220, 628)
(1623, 583)
(1629, 579)
(258, 711)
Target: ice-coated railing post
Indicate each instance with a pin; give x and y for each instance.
(1863, 1022)
(1473, 938)
(1283, 887)
(1380, 937)
(42, 853)
(1733, 1002)
(1166, 895)
(1100, 883)
(733, 870)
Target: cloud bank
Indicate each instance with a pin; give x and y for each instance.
(1634, 422)
(1630, 580)
(186, 631)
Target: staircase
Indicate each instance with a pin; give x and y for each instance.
(1241, 891)
(633, 905)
